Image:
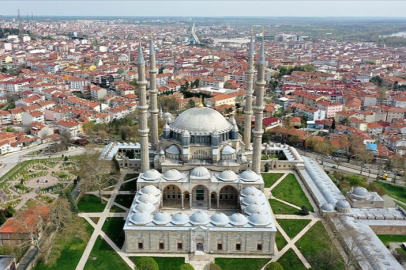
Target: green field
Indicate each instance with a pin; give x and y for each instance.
(396, 192)
(240, 264)
(103, 257)
(289, 260)
(270, 178)
(167, 263)
(293, 226)
(129, 186)
(124, 200)
(387, 238)
(91, 203)
(280, 241)
(290, 191)
(113, 227)
(129, 176)
(281, 208)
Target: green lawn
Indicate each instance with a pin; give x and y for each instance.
(289, 190)
(116, 209)
(124, 200)
(402, 205)
(71, 253)
(91, 203)
(271, 178)
(293, 226)
(113, 227)
(280, 241)
(387, 238)
(167, 263)
(396, 192)
(289, 260)
(105, 258)
(316, 240)
(240, 264)
(281, 208)
(129, 186)
(129, 176)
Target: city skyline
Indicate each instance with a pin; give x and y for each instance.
(208, 8)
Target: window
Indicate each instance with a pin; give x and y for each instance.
(219, 246)
(259, 247)
(174, 196)
(238, 246)
(161, 246)
(140, 245)
(180, 246)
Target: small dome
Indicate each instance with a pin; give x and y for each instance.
(185, 133)
(151, 175)
(361, 192)
(255, 208)
(250, 199)
(140, 218)
(227, 176)
(152, 190)
(327, 207)
(144, 207)
(228, 150)
(200, 172)
(250, 191)
(238, 219)
(180, 219)
(219, 219)
(173, 175)
(199, 217)
(168, 117)
(147, 198)
(173, 149)
(161, 218)
(259, 219)
(342, 204)
(249, 176)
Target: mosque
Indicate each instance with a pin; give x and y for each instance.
(200, 187)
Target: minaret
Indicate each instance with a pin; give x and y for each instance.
(248, 96)
(143, 107)
(258, 110)
(20, 27)
(153, 91)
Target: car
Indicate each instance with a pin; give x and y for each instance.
(335, 159)
(365, 166)
(79, 189)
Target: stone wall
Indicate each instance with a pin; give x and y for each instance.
(397, 230)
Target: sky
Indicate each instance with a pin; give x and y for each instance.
(301, 8)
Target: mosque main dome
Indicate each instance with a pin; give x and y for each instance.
(198, 121)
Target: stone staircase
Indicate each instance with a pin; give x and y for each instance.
(200, 260)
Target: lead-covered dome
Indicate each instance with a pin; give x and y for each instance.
(180, 219)
(249, 176)
(201, 121)
(259, 219)
(140, 218)
(255, 208)
(250, 191)
(144, 207)
(173, 175)
(361, 192)
(219, 219)
(200, 172)
(227, 176)
(152, 190)
(161, 218)
(147, 198)
(250, 199)
(199, 217)
(151, 175)
(238, 219)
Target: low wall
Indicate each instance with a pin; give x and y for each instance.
(395, 230)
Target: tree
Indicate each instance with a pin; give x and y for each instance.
(187, 266)
(377, 81)
(333, 125)
(267, 166)
(96, 173)
(382, 95)
(214, 266)
(364, 156)
(3, 218)
(324, 148)
(123, 135)
(191, 103)
(133, 82)
(197, 83)
(304, 211)
(345, 121)
(146, 263)
(274, 266)
(67, 194)
(65, 139)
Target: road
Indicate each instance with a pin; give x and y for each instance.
(197, 41)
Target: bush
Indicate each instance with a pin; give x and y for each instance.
(146, 263)
(274, 266)
(377, 188)
(214, 266)
(187, 266)
(304, 211)
(355, 180)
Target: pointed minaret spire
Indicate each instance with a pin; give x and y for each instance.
(143, 107)
(248, 98)
(259, 110)
(153, 91)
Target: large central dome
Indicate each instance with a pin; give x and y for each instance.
(201, 121)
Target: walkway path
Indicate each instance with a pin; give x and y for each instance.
(98, 229)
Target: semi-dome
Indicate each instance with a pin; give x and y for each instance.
(227, 176)
(228, 150)
(259, 219)
(238, 219)
(173, 149)
(250, 191)
(150, 189)
(147, 198)
(201, 121)
(327, 207)
(172, 175)
(200, 172)
(249, 176)
(250, 199)
(144, 207)
(361, 192)
(219, 219)
(161, 218)
(140, 218)
(255, 208)
(199, 217)
(180, 219)
(151, 175)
